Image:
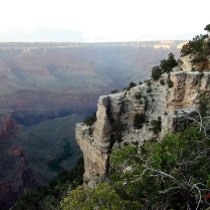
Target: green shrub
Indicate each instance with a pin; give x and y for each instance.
(89, 121)
(90, 131)
(149, 89)
(170, 83)
(162, 82)
(149, 82)
(131, 85)
(138, 120)
(199, 49)
(156, 73)
(207, 28)
(167, 65)
(114, 91)
(118, 127)
(137, 95)
(203, 103)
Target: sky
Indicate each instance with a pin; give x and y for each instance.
(101, 20)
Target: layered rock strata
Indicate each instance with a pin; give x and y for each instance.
(156, 101)
(117, 107)
(187, 87)
(15, 174)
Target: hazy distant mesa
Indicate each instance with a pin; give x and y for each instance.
(167, 44)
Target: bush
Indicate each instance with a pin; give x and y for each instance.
(114, 91)
(138, 120)
(156, 73)
(89, 121)
(156, 125)
(131, 85)
(170, 83)
(199, 48)
(167, 65)
(90, 131)
(157, 178)
(118, 127)
(162, 82)
(137, 95)
(149, 89)
(149, 82)
(203, 103)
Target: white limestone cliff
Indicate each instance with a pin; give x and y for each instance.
(161, 101)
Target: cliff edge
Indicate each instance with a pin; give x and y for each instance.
(153, 99)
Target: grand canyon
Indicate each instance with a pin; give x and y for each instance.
(46, 88)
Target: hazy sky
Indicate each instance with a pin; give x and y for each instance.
(115, 20)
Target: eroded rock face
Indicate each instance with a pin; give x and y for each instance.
(186, 62)
(15, 174)
(187, 88)
(156, 101)
(17, 180)
(96, 147)
(111, 108)
(8, 128)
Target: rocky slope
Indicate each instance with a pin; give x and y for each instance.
(158, 101)
(15, 174)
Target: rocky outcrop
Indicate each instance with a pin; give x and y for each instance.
(8, 127)
(186, 63)
(187, 87)
(118, 107)
(19, 178)
(156, 100)
(15, 174)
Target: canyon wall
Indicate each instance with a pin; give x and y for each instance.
(156, 101)
(15, 174)
(114, 108)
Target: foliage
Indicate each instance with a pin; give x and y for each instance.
(193, 46)
(170, 174)
(207, 28)
(156, 125)
(170, 83)
(118, 127)
(54, 164)
(149, 89)
(167, 65)
(102, 197)
(137, 95)
(89, 121)
(114, 91)
(203, 102)
(199, 49)
(90, 131)
(162, 82)
(138, 120)
(131, 85)
(156, 72)
(48, 197)
(149, 82)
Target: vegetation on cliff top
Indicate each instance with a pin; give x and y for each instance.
(165, 67)
(170, 174)
(199, 48)
(90, 120)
